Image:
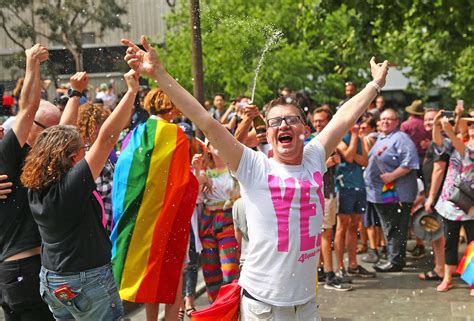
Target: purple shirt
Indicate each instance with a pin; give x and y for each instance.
(389, 152)
(415, 128)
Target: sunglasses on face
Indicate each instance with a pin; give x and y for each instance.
(289, 120)
(470, 123)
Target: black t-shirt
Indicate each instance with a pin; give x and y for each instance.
(18, 230)
(428, 162)
(69, 221)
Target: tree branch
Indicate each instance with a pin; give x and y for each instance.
(9, 35)
(18, 17)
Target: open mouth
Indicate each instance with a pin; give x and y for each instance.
(285, 138)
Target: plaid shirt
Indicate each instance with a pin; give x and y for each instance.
(104, 188)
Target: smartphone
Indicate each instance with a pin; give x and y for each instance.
(448, 113)
(258, 122)
(260, 130)
(460, 103)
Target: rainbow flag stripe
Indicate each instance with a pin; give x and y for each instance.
(153, 199)
(389, 194)
(466, 265)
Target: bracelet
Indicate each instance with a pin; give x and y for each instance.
(376, 86)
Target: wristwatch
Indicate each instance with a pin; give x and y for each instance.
(73, 93)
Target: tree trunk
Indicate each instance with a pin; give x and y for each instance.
(77, 56)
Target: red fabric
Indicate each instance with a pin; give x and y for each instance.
(224, 308)
(8, 101)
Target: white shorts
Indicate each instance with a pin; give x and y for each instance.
(251, 310)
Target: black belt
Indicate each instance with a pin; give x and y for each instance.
(248, 295)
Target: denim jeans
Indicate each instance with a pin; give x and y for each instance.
(96, 293)
(190, 273)
(394, 219)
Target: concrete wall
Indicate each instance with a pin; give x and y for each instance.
(143, 16)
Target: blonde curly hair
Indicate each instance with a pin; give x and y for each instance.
(157, 103)
(51, 156)
(89, 118)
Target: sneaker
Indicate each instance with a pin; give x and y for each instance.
(321, 275)
(371, 257)
(418, 252)
(359, 271)
(336, 284)
(343, 276)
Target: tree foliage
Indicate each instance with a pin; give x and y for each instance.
(325, 43)
(65, 20)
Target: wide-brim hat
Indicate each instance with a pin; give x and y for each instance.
(416, 108)
(428, 227)
(463, 124)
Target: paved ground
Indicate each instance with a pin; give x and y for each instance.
(392, 296)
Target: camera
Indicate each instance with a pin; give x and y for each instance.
(448, 113)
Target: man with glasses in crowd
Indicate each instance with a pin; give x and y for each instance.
(390, 180)
(282, 195)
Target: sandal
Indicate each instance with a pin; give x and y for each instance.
(190, 310)
(181, 315)
(446, 289)
(430, 276)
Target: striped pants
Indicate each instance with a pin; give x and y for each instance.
(220, 253)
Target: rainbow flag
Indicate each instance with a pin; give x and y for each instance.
(153, 199)
(389, 194)
(466, 265)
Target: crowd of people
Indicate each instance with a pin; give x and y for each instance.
(113, 197)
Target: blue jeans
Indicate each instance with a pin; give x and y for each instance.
(96, 297)
(190, 272)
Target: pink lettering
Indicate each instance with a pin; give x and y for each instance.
(318, 240)
(305, 256)
(319, 180)
(307, 210)
(282, 207)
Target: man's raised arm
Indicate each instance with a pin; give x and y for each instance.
(31, 92)
(146, 62)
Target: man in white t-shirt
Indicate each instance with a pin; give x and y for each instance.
(283, 196)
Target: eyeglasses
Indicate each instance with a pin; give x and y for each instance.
(37, 123)
(289, 120)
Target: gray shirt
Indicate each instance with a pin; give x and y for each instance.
(389, 152)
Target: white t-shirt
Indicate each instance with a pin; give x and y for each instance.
(284, 208)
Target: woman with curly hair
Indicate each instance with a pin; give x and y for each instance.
(76, 276)
(89, 121)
